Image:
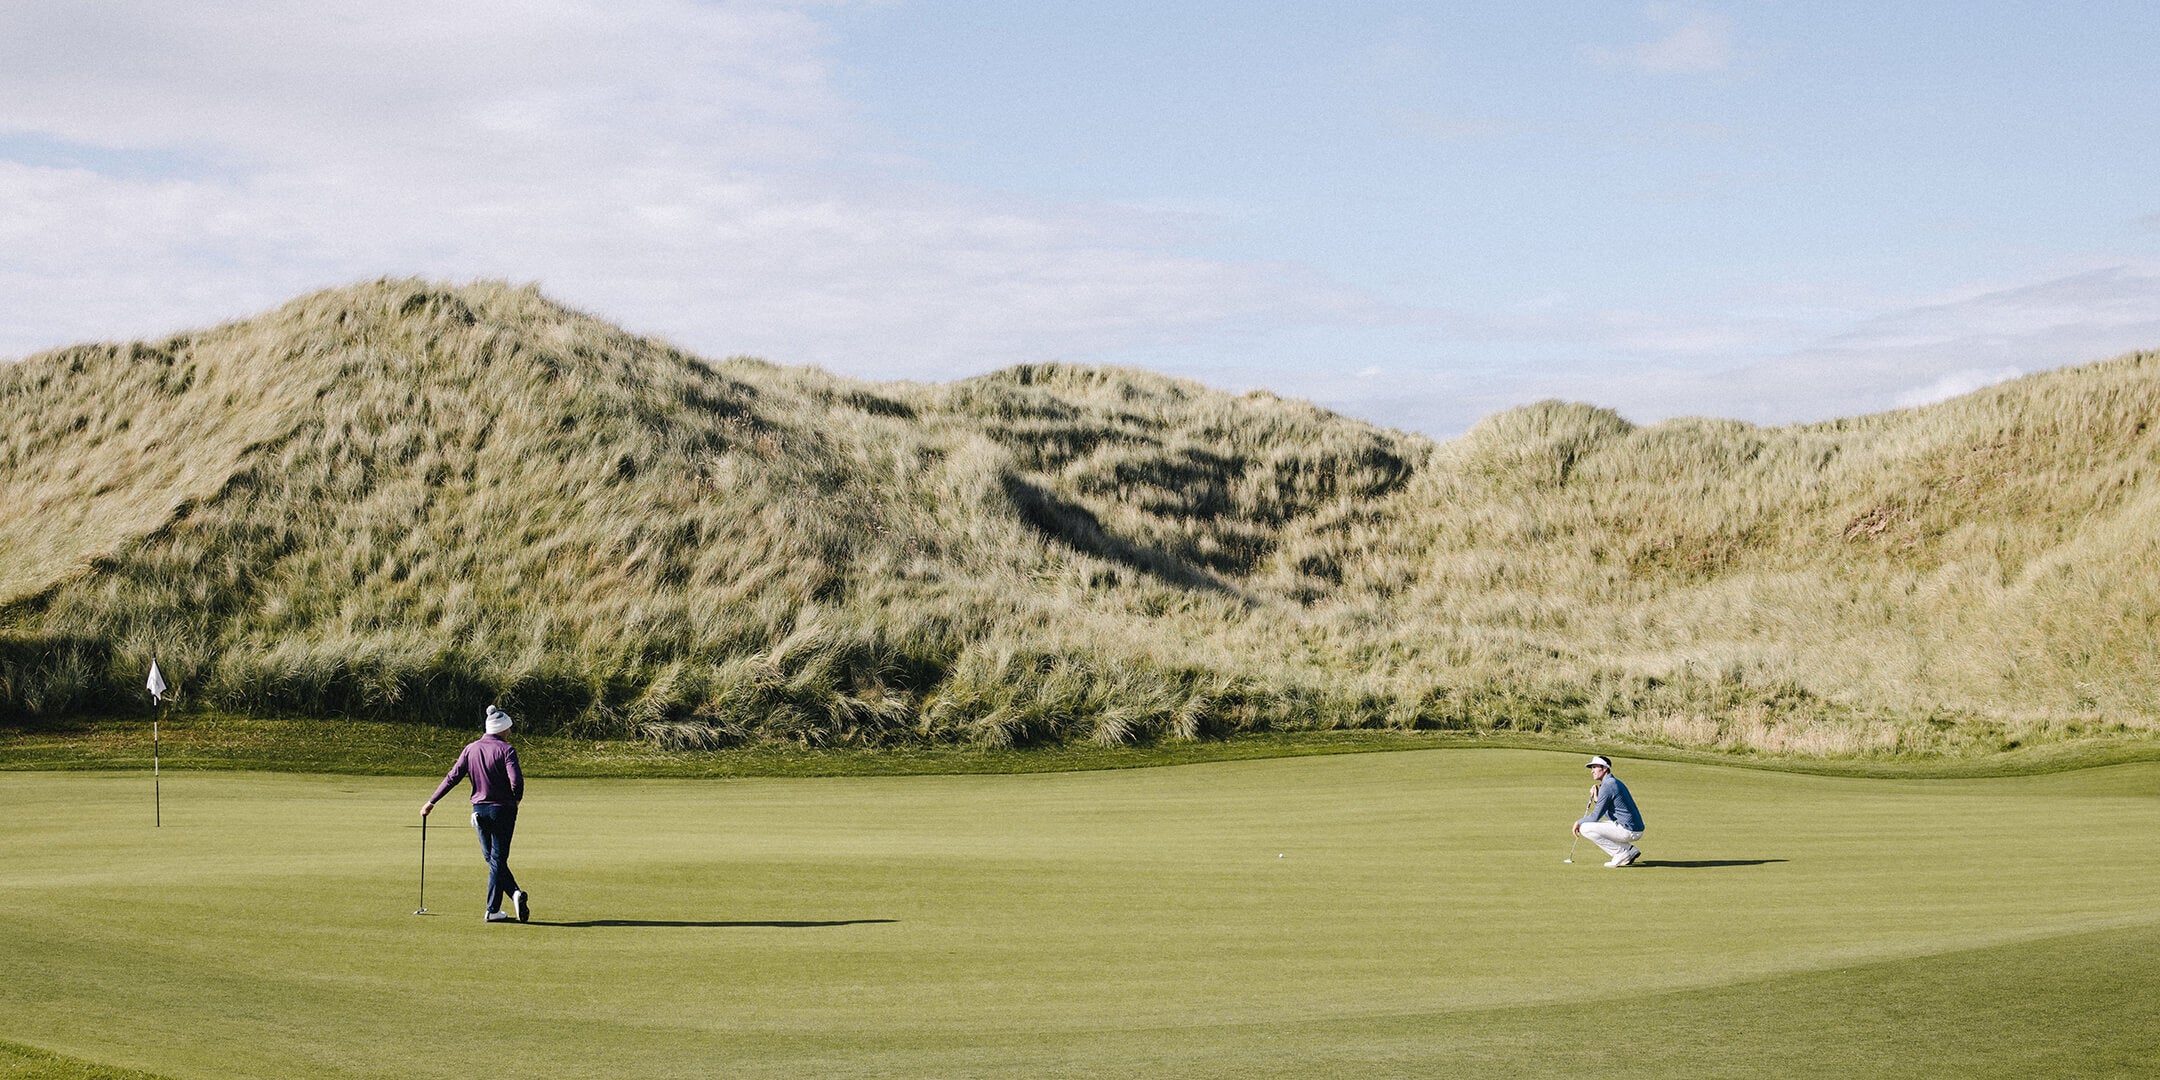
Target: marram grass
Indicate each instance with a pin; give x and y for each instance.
(401, 501)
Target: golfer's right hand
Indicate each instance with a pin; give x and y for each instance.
(1578, 826)
(425, 807)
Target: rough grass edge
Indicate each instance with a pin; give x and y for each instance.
(20, 1062)
(352, 747)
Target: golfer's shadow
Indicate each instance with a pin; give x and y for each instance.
(1703, 864)
(787, 924)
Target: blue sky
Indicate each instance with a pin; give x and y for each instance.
(1415, 213)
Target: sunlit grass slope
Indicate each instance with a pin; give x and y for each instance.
(403, 500)
(1374, 915)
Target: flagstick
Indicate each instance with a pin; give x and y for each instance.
(156, 685)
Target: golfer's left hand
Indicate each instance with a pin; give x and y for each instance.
(1578, 828)
(425, 807)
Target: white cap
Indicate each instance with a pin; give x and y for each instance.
(1597, 761)
(498, 721)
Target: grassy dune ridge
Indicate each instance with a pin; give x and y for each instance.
(403, 500)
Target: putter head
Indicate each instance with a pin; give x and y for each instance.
(422, 911)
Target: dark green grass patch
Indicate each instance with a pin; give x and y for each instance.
(359, 747)
(1370, 914)
(30, 1063)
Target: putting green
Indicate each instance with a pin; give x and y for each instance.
(1418, 921)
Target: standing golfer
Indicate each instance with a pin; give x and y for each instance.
(1609, 798)
(491, 763)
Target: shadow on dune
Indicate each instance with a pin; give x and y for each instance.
(784, 923)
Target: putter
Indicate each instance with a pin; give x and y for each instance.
(1578, 836)
(423, 866)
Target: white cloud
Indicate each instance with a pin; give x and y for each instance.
(685, 168)
(691, 170)
(1694, 42)
(1954, 384)
(1894, 359)
(1770, 370)
(2125, 295)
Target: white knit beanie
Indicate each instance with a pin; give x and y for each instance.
(498, 721)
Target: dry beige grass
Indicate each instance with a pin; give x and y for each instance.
(402, 499)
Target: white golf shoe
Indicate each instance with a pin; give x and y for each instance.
(1627, 858)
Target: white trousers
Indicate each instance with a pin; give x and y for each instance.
(1609, 835)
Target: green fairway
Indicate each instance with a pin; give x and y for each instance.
(1373, 914)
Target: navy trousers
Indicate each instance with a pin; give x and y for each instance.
(495, 822)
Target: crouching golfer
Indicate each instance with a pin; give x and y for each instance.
(491, 763)
(1609, 798)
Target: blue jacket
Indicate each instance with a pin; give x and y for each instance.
(1612, 799)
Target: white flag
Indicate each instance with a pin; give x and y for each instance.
(156, 683)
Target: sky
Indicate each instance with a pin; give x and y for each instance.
(1414, 213)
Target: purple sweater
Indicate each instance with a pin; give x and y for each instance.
(491, 762)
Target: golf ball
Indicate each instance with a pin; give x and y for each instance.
(1278, 854)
